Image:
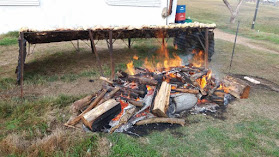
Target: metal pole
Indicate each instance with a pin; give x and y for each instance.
(255, 15)
(110, 53)
(206, 49)
(234, 45)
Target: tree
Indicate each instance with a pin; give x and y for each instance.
(235, 12)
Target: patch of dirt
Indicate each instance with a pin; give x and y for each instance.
(241, 40)
(104, 146)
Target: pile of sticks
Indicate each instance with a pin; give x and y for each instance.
(147, 97)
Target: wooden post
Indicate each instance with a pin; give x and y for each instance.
(77, 45)
(111, 57)
(129, 43)
(206, 49)
(93, 48)
(22, 48)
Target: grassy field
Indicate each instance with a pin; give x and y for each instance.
(214, 11)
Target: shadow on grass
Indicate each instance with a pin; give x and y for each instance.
(69, 66)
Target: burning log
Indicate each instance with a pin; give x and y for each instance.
(161, 101)
(184, 90)
(195, 76)
(143, 80)
(203, 92)
(238, 88)
(92, 115)
(162, 120)
(211, 91)
(124, 119)
(92, 105)
(135, 103)
(139, 79)
(185, 78)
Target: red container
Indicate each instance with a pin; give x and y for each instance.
(180, 16)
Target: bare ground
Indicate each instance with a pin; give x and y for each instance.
(244, 41)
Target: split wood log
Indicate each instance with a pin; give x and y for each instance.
(161, 102)
(237, 87)
(106, 80)
(81, 103)
(162, 120)
(124, 119)
(184, 90)
(89, 117)
(92, 105)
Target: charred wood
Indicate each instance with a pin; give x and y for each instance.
(162, 120)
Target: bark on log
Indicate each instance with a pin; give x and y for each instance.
(162, 120)
(184, 90)
(125, 89)
(89, 117)
(106, 80)
(81, 103)
(92, 105)
(143, 80)
(136, 103)
(238, 88)
(109, 95)
(161, 102)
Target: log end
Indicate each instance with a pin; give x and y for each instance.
(246, 92)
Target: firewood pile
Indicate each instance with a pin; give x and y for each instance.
(155, 96)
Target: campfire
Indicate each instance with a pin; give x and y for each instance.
(160, 91)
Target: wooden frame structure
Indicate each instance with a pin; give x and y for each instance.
(110, 35)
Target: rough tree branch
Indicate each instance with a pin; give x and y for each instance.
(235, 12)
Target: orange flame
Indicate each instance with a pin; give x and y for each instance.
(222, 87)
(123, 105)
(148, 88)
(202, 81)
(198, 59)
(135, 57)
(130, 68)
(163, 60)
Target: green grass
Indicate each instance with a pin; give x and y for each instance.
(240, 139)
(28, 115)
(216, 12)
(9, 38)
